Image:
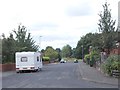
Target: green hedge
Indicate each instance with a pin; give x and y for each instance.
(46, 59)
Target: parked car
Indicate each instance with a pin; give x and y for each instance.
(62, 61)
(76, 61)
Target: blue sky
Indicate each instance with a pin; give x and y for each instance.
(59, 22)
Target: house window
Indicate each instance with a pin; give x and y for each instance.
(24, 59)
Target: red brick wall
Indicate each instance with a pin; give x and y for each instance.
(46, 62)
(12, 67)
(115, 51)
(7, 67)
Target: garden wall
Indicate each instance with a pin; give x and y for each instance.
(11, 66)
(115, 51)
(7, 67)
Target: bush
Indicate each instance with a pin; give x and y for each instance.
(87, 58)
(94, 56)
(46, 59)
(112, 63)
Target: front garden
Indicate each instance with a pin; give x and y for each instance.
(110, 66)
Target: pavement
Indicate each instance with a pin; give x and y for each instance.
(7, 73)
(95, 75)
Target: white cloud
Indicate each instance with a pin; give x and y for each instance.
(59, 22)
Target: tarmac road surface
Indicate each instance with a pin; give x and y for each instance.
(60, 75)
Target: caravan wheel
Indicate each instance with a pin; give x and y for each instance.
(17, 71)
(39, 69)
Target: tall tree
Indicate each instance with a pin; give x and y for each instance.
(24, 41)
(90, 39)
(59, 53)
(107, 27)
(51, 53)
(8, 49)
(66, 51)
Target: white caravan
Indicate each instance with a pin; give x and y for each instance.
(28, 61)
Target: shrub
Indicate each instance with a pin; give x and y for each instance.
(46, 58)
(112, 63)
(87, 58)
(94, 56)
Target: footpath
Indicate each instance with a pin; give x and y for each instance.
(8, 73)
(95, 75)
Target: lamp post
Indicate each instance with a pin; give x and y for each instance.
(82, 53)
(40, 42)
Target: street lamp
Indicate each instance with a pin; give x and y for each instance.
(40, 42)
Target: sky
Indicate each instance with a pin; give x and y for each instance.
(54, 23)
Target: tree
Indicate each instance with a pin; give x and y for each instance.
(66, 51)
(51, 53)
(90, 39)
(107, 27)
(9, 49)
(73, 52)
(59, 53)
(24, 42)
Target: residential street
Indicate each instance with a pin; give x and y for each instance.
(59, 75)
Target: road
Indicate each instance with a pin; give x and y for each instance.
(61, 75)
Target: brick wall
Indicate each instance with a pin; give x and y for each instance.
(7, 67)
(115, 51)
(12, 67)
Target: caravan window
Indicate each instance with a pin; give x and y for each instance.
(37, 58)
(23, 59)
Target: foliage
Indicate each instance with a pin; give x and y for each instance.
(51, 53)
(87, 58)
(8, 49)
(24, 42)
(59, 53)
(107, 27)
(104, 40)
(90, 39)
(46, 58)
(112, 63)
(66, 51)
(95, 54)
